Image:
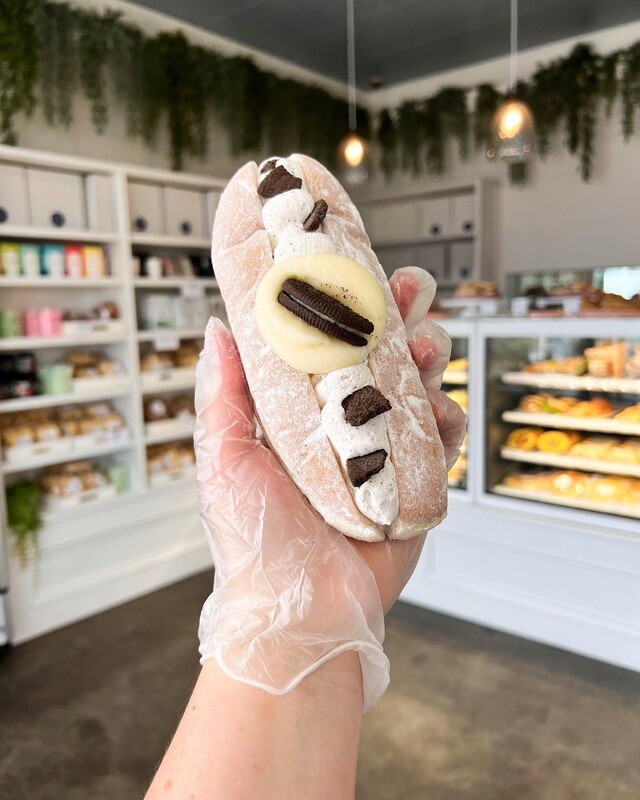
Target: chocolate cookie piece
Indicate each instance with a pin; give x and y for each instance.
(268, 165)
(277, 182)
(315, 218)
(324, 313)
(361, 468)
(363, 405)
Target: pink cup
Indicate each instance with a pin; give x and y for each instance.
(32, 322)
(50, 322)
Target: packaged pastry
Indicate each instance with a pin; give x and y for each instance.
(596, 407)
(632, 367)
(187, 355)
(181, 408)
(557, 442)
(524, 438)
(325, 353)
(607, 360)
(629, 414)
(156, 362)
(576, 365)
(17, 436)
(47, 432)
(92, 479)
(477, 289)
(155, 409)
(62, 485)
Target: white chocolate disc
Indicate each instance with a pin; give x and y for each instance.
(301, 345)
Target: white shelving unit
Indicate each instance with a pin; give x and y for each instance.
(585, 383)
(105, 550)
(592, 424)
(571, 462)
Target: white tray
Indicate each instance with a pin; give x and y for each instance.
(587, 505)
(576, 382)
(165, 430)
(571, 462)
(38, 450)
(95, 385)
(172, 476)
(596, 424)
(168, 380)
(52, 502)
(70, 327)
(455, 377)
(87, 442)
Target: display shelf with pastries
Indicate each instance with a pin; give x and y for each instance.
(585, 419)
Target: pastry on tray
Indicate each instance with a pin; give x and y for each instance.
(576, 365)
(477, 289)
(557, 442)
(524, 438)
(629, 414)
(325, 351)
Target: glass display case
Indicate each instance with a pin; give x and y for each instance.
(563, 413)
(455, 383)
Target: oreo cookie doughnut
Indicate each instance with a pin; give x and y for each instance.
(325, 351)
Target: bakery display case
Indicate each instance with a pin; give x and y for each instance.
(455, 382)
(563, 415)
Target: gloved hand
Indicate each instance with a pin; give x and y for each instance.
(291, 592)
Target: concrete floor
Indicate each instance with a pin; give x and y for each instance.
(471, 714)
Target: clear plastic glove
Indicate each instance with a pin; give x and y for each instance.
(291, 592)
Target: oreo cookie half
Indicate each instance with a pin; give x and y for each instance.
(268, 165)
(324, 313)
(361, 468)
(316, 217)
(363, 405)
(277, 182)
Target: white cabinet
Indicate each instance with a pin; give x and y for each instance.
(431, 257)
(184, 212)
(463, 215)
(435, 217)
(213, 198)
(57, 199)
(14, 197)
(146, 207)
(461, 261)
(100, 206)
(392, 222)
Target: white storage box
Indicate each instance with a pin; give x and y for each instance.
(463, 215)
(146, 208)
(100, 384)
(430, 257)
(461, 261)
(213, 198)
(100, 208)
(57, 199)
(14, 196)
(435, 217)
(184, 212)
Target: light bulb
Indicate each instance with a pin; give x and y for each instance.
(510, 123)
(512, 132)
(353, 151)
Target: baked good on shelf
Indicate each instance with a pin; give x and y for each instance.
(626, 452)
(524, 438)
(155, 409)
(629, 414)
(632, 366)
(477, 289)
(594, 447)
(155, 362)
(565, 482)
(187, 355)
(47, 432)
(459, 396)
(576, 365)
(597, 300)
(595, 407)
(607, 360)
(532, 403)
(458, 365)
(613, 489)
(557, 442)
(17, 436)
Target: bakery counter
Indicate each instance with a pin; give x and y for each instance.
(544, 540)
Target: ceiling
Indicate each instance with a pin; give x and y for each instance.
(395, 39)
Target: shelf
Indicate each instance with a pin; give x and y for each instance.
(64, 458)
(182, 475)
(170, 380)
(155, 240)
(573, 382)
(595, 424)
(60, 283)
(172, 433)
(56, 234)
(38, 343)
(185, 333)
(50, 400)
(50, 516)
(458, 378)
(423, 240)
(175, 283)
(586, 505)
(571, 462)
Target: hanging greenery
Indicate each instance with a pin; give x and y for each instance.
(18, 64)
(50, 51)
(24, 518)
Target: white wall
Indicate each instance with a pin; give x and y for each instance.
(555, 220)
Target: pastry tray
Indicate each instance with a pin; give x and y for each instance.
(586, 383)
(571, 462)
(587, 505)
(52, 502)
(595, 424)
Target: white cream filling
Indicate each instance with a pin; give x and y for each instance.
(377, 498)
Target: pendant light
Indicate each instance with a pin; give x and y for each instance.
(353, 150)
(511, 127)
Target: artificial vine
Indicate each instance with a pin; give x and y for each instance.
(50, 51)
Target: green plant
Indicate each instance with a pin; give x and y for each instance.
(18, 63)
(23, 515)
(95, 39)
(387, 136)
(630, 89)
(487, 101)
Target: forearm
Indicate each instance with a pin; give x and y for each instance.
(236, 742)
